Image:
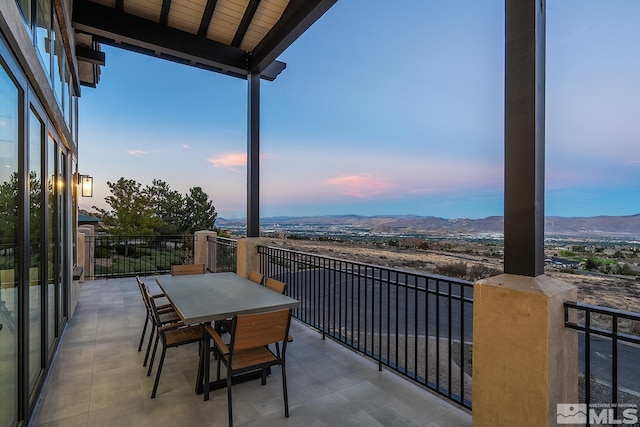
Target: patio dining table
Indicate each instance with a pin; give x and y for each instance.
(205, 298)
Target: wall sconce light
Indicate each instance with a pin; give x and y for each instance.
(86, 185)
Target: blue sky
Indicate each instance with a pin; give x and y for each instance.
(382, 111)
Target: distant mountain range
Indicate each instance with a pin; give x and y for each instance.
(554, 225)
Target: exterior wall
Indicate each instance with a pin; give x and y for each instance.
(38, 254)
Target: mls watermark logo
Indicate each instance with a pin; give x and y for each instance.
(571, 413)
(598, 413)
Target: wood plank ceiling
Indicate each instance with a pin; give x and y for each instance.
(235, 37)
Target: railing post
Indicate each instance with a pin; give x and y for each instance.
(248, 256)
(525, 361)
(81, 253)
(201, 248)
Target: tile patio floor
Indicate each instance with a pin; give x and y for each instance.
(98, 379)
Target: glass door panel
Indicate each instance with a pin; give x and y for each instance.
(51, 242)
(9, 132)
(36, 142)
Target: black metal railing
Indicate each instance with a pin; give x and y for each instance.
(609, 349)
(419, 325)
(122, 256)
(222, 253)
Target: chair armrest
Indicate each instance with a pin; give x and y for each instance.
(170, 326)
(217, 339)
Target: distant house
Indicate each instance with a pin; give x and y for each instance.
(84, 219)
(562, 262)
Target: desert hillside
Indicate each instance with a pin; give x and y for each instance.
(607, 290)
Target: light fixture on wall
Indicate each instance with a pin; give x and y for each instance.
(86, 185)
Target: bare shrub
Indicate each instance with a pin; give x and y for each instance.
(479, 271)
(456, 269)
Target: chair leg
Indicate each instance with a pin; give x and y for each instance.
(146, 356)
(153, 355)
(144, 332)
(205, 354)
(229, 403)
(155, 383)
(284, 389)
(264, 375)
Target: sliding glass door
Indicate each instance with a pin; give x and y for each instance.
(10, 123)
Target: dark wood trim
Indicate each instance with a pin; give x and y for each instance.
(296, 19)
(93, 56)
(206, 17)
(249, 13)
(111, 26)
(164, 13)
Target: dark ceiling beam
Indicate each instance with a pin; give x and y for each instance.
(113, 27)
(249, 13)
(206, 17)
(296, 19)
(120, 5)
(92, 56)
(164, 12)
(273, 70)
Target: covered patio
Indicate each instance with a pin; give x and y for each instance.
(98, 379)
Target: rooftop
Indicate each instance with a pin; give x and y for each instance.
(98, 379)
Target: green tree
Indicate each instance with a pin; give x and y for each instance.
(590, 264)
(8, 211)
(169, 206)
(200, 214)
(132, 210)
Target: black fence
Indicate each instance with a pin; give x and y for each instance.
(122, 256)
(419, 325)
(609, 349)
(223, 254)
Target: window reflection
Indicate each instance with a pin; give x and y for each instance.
(9, 125)
(43, 33)
(25, 5)
(58, 63)
(36, 133)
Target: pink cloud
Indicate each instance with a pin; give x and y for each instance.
(186, 146)
(233, 160)
(137, 152)
(360, 186)
(228, 160)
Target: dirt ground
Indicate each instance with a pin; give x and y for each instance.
(605, 290)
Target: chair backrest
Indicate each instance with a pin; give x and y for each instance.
(185, 269)
(143, 292)
(152, 306)
(275, 285)
(256, 330)
(254, 276)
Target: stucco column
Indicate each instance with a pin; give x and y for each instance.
(201, 248)
(248, 257)
(89, 250)
(524, 360)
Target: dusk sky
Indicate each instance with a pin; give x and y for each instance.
(382, 110)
